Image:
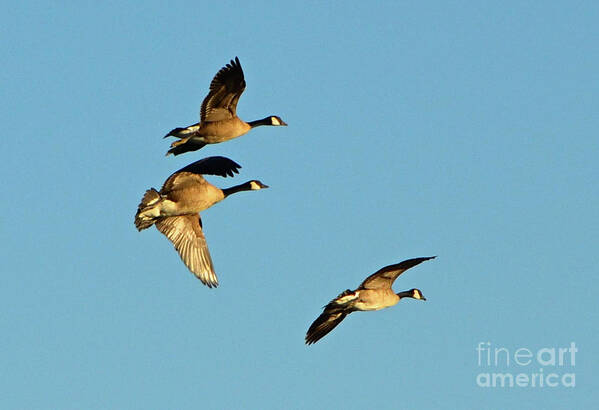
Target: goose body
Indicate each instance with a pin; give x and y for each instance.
(175, 210)
(218, 115)
(374, 293)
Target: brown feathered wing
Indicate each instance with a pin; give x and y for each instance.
(185, 232)
(225, 89)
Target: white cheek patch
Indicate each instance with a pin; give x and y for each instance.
(254, 186)
(417, 295)
(348, 298)
(275, 121)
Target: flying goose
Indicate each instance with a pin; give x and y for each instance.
(218, 116)
(374, 293)
(175, 210)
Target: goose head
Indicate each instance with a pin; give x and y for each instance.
(255, 185)
(276, 121)
(412, 293)
(416, 294)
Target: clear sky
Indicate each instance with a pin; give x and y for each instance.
(466, 130)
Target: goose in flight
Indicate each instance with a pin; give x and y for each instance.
(218, 115)
(175, 210)
(374, 293)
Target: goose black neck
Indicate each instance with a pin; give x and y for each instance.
(263, 121)
(405, 294)
(237, 188)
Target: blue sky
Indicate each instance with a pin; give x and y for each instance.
(458, 129)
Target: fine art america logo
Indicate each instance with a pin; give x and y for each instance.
(523, 367)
